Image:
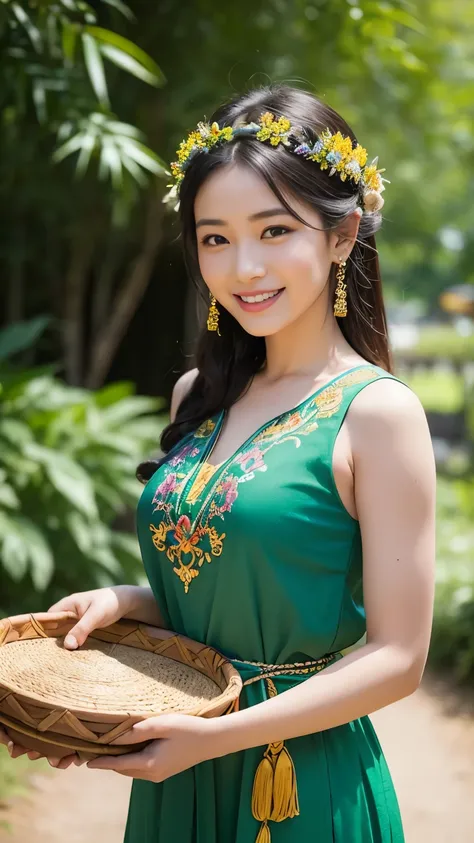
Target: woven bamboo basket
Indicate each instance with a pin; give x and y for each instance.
(59, 701)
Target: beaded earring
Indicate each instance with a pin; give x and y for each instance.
(213, 316)
(340, 303)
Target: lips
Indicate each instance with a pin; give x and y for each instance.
(256, 306)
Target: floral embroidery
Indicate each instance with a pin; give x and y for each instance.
(205, 429)
(189, 543)
(188, 450)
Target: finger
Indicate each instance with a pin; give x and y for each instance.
(78, 634)
(132, 762)
(145, 730)
(53, 761)
(4, 737)
(16, 750)
(66, 762)
(33, 756)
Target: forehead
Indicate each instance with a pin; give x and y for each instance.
(233, 187)
(235, 192)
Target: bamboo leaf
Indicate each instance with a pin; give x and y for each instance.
(69, 40)
(110, 158)
(121, 43)
(142, 155)
(121, 7)
(39, 99)
(134, 170)
(128, 63)
(95, 67)
(84, 158)
(72, 145)
(32, 31)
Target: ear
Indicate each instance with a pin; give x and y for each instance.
(343, 238)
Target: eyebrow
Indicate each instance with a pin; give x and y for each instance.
(270, 212)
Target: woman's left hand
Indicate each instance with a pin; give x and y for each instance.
(179, 741)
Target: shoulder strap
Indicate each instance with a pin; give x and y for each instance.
(335, 401)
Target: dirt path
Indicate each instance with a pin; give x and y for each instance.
(428, 740)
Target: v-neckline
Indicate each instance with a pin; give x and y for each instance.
(223, 415)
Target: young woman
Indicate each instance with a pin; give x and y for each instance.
(293, 511)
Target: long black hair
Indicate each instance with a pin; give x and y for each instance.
(227, 363)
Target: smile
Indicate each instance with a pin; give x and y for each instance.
(258, 301)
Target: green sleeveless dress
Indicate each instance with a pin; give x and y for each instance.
(260, 559)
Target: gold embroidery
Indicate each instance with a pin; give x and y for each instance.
(197, 542)
(188, 541)
(200, 481)
(205, 429)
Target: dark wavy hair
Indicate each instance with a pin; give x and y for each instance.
(227, 363)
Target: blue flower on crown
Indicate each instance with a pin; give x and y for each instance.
(302, 149)
(353, 168)
(334, 157)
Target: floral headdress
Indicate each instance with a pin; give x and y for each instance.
(332, 152)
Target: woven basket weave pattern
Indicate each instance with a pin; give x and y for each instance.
(84, 699)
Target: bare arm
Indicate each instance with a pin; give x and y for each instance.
(395, 496)
(143, 606)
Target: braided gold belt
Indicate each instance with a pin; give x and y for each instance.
(275, 791)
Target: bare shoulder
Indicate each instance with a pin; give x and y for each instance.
(387, 412)
(181, 389)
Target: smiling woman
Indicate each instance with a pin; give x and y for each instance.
(292, 512)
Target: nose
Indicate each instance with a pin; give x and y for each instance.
(249, 264)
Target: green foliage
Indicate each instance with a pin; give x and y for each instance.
(443, 341)
(452, 643)
(67, 471)
(56, 52)
(438, 390)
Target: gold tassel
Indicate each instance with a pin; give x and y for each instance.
(285, 794)
(274, 794)
(263, 790)
(264, 835)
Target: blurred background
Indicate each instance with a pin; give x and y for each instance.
(97, 320)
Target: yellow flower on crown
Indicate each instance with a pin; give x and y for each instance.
(276, 131)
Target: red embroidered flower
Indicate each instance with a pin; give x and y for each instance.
(181, 533)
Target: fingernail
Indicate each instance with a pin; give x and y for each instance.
(70, 641)
(10, 747)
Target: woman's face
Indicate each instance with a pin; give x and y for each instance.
(250, 247)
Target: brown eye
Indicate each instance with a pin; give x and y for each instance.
(276, 231)
(206, 241)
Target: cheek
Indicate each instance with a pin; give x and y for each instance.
(304, 262)
(215, 267)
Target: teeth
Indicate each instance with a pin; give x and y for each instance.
(262, 297)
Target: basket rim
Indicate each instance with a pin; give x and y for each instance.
(57, 624)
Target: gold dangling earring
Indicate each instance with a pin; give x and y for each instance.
(340, 304)
(213, 317)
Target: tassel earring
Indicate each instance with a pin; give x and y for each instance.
(340, 304)
(213, 317)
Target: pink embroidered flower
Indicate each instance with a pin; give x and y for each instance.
(251, 460)
(182, 454)
(229, 489)
(165, 488)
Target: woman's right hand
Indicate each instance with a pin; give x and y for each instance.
(94, 609)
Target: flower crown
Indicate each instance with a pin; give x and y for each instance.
(331, 151)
